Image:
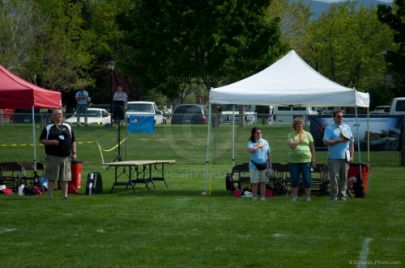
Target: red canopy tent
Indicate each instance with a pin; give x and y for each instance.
(16, 93)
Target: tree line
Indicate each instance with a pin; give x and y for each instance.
(174, 51)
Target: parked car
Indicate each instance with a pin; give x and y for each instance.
(227, 114)
(94, 116)
(327, 110)
(381, 109)
(145, 108)
(286, 114)
(398, 106)
(25, 115)
(190, 114)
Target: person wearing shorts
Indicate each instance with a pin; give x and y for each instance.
(60, 148)
(260, 162)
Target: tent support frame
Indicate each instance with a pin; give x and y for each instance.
(208, 148)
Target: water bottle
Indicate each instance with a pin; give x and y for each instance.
(91, 183)
(90, 187)
(21, 190)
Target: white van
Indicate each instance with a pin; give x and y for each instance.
(284, 115)
(398, 106)
(145, 108)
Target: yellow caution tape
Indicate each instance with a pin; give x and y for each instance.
(77, 142)
(13, 145)
(17, 145)
(115, 147)
(38, 144)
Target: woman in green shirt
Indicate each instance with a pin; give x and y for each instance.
(300, 158)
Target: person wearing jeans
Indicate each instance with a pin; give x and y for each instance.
(300, 158)
(82, 98)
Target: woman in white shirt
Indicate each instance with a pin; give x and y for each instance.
(120, 95)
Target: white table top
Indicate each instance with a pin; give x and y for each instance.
(139, 162)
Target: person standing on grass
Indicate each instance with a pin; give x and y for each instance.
(120, 99)
(120, 95)
(300, 158)
(260, 162)
(60, 146)
(339, 139)
(82, 98)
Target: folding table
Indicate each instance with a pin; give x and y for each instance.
(143, 170)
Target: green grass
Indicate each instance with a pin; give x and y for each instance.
(176, 227)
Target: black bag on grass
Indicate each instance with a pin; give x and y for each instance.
(94, 184)
(29, 190)
(229, 183)
(358, 188)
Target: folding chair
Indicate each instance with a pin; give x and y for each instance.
(323, 169)
(29, 174)
(320, 179)
(239, 175)
(11, 174)
(281, 178)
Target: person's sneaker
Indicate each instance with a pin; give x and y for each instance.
(333, 198)
(342, 199)
(295, 199)
(308, 199)
(254, 198)
(263, 198)
(65, 198)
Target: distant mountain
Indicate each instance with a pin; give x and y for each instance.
(318, 7)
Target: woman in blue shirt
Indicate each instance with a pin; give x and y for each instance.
(260, 161)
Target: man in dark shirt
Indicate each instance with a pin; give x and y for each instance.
(60, 144)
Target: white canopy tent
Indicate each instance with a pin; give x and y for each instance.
(289, 81)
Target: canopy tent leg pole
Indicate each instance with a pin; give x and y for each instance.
(358, 145)
(34, 138)
(126, 137)
(215, 115)
(357, 135)
(208, 148)
(368, 135)
(368, 148)
(233, 135)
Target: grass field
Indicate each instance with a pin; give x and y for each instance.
(176, 227)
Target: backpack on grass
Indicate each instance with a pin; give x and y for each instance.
(94, 184)
(229, 182)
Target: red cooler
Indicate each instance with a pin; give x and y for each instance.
(76, 169)
(354, 171)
